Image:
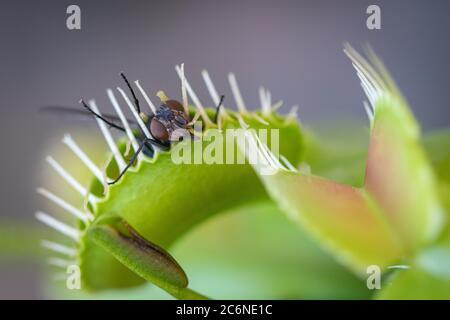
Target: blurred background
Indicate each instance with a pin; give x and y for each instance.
(294, 48)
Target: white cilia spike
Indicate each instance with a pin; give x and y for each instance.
(84, 216)
(195, 118)
(256, 142)
(183, 91)
(277, 105)
(269, 98)
(257, 155)
(144, 94)
(266, 102)
(288, 164)
(135, 113)
(367, 70)
(109, 139)
(269, 102)
(59, 248)
(214, 96)
(58, 225)
(371, 93)
(71, 180)
(371, 82)
(61, 263)
(211, 88)
(236, 93)
(292, 113)
(124, 121)
(265, 106)
(269, 155)
(400, 266)
(242, 122)
(260, 120)
(194, 97)
(67, 140)
(369, 111)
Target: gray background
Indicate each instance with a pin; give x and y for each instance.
(292, 47)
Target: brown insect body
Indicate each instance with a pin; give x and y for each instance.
(168, 118)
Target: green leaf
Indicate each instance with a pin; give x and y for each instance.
(398, 175)
(162, 201)
(232, 256)
(342, 217)
(394, 213)
(144, 258)
(337, 150)
(427, 278)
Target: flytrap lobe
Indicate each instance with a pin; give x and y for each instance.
(142, 202)
(395, 213)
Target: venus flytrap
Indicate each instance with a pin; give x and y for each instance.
(397, 210)
(394, 216)
(428, 276)
(125, 228)
(398, 175)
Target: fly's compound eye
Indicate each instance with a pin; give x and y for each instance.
(159, 130)
(180, 121)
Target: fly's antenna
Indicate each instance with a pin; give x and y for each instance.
(109, 123)
(136, 101)
(216, 116)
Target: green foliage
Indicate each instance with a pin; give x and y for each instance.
(380, 199)
(162, 201)
(396, 211)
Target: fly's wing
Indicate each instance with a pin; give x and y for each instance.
(79, 114)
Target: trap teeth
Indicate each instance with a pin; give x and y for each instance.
(236, 93)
